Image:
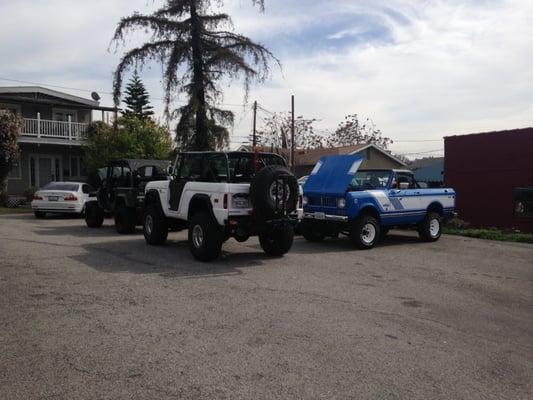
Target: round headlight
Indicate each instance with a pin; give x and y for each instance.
(341, 203)
(304, 200)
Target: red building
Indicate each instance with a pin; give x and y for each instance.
(492, 174)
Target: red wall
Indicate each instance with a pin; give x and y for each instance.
(483, 169)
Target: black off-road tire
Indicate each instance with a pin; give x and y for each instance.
(125, 219)
(208, 247)
(277, 241)
(365, 232)
(427, 230)
(94, 215)
(155, 226)
(311, 233)
(260, 192)
(39, 214)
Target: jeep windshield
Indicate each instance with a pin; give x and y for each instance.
(370, 180)
(242, 168)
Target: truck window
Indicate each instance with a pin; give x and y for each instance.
(403, 177)
(370, 180)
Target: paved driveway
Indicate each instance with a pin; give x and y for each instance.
(94, 315)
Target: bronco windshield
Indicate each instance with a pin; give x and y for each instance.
(369, 180)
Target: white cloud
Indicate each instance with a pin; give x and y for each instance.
(447, 67)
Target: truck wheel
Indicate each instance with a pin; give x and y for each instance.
(125, 219)
(94, 215)
(365, 232)
(205, 237)
(39, 214)
(311, 233)
(430, 228)
(277, 241)
(155, 226)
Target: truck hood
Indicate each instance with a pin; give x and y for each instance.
(332, 175)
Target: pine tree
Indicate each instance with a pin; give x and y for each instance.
(197, 48)
(137, 98)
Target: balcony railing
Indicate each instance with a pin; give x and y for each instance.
(43, 128)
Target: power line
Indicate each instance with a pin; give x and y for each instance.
(244, 105)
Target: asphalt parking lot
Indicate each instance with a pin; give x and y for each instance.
(89, 314)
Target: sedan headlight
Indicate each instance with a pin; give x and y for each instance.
(341, 203)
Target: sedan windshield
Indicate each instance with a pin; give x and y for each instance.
(369, 180)
(69, 187)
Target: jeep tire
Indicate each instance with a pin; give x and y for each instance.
(94, 215)
(277, 240)
(430, 228)
(205, 237)
(155, 226)
(263, 192)
(365, 232)
(125, 219)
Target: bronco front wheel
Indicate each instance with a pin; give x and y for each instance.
(155, 226)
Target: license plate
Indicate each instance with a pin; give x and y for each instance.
(320, 215)
(52, 198)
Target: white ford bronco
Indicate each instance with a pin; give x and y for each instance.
(219, 195)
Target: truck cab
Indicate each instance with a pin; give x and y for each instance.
(339, 197)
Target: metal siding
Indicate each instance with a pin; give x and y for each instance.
(483, 169)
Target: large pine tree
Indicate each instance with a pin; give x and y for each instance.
(137, 99)
(197, 48)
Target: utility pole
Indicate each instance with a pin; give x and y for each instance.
(292, 135)
(254, 137)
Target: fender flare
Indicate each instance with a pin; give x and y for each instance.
(198, 201)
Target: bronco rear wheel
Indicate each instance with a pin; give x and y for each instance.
(205, 237)
(277, 240)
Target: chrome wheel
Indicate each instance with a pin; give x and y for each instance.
(197, 236)
(368, 234)
(276, 189)
(434, 227)
(149, 224)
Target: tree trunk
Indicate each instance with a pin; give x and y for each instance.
(201, 139)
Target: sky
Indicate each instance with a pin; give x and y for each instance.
(420, 69)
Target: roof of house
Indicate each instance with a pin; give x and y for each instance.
(312, 156)
(425, 162)
(25, 90)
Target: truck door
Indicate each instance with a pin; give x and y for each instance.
(188, 168)
(405, 200)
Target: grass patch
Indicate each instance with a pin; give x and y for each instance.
(491, 234)
(17, 210)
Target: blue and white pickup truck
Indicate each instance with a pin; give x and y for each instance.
(365, 204)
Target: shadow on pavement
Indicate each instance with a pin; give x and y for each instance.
(172, 260)
(81, 229)
(343, 243)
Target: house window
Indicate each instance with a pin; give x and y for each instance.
(73, 166)
(15, 172)
(77, 167)
(14, 108)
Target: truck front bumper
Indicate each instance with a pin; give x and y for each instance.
(320, 216)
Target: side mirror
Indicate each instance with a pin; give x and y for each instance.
(404, 185)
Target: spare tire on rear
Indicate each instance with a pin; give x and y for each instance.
(271, 187)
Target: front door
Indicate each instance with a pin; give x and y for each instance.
(405, 201)
(44, 169)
